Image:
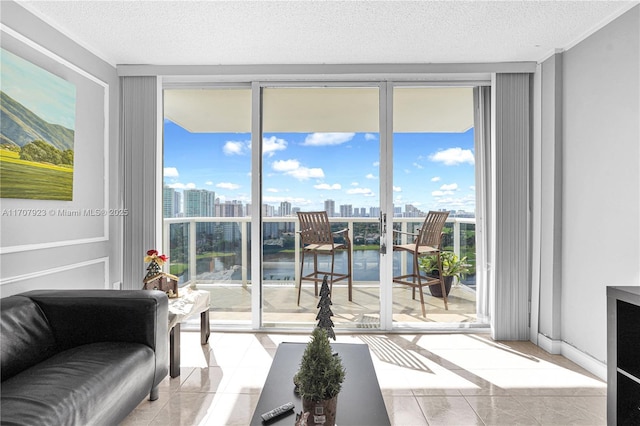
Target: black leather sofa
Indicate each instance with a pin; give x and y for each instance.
(80, 357)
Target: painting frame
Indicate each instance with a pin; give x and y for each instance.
(37, 132)
(92, 169)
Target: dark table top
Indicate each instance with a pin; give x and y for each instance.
(359, 402)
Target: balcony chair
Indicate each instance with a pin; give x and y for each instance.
(316, 238)
(427, 242)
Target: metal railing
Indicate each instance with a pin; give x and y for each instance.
(237, 228)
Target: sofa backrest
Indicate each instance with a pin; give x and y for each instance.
(27, 337)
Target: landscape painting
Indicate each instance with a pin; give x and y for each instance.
(37, 127)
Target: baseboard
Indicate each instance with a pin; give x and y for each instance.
(584, 360)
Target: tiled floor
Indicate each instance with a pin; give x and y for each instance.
(427, 379)
(232, 304)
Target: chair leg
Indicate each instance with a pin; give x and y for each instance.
(349, 271)
(315, 272)
(300, 284)
(333, 260)
(416, 274)
(442, 286)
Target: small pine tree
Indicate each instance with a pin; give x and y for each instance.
(321, 374)
(325, 313)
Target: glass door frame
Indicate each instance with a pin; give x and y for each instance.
(385, 87)
(256, 184)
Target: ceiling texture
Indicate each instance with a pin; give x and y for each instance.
(325, 32)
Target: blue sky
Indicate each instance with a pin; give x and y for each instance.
(50, 97)
(431, 170)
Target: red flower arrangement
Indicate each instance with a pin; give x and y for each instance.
(153, 256)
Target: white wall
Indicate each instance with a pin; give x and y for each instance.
(54, 251)
(600, 185)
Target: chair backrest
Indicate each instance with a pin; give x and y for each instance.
(315, 228)
(431, 230)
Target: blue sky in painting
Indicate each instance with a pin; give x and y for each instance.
(431, 170)
(45, 94)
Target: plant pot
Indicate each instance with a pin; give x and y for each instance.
(321, 413)
(436, 289)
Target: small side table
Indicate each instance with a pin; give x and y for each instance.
(190, 303)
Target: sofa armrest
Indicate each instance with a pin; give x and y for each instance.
(80, 317)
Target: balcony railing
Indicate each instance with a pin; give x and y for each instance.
(211, 250)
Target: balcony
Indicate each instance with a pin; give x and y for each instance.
(214, 254)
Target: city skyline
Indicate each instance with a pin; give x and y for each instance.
(432, 171)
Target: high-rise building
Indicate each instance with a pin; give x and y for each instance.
(412, 211)
(330, 207)
(374, 211)
(285, 209)
(199, 203)
(268, 210)
(168, 202)
(346, 210)
(232, 208)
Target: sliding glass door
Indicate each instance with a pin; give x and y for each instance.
(207, 196)
(376, 157)
(320, 149)
(434, 169)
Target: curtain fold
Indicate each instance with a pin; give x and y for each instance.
(482, 146)
(510, 207)
(138, 138)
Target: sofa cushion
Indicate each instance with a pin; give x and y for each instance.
(84, 385)
(27, 337)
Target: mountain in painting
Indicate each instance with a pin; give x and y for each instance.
(20, 126)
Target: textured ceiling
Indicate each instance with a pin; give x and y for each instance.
(325, 32)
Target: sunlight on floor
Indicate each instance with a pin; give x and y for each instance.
(425, 379)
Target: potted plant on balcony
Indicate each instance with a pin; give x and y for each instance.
(319, 380)
(452, 266)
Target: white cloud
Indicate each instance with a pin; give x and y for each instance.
(293, 168)
(272, 190)
(227, 185)
(418, 166)
(437, 193)
(285, 165)
(449, 187)
(435, 179)
(304, 173)
(182, 186)
(208, 183)
(453, 156)
(370, 137)
(465, 203)
(361, 191)
(327, 186)
(355, 184)
(273, 144)
(371, 176)
(234, 148)
(323, 139)
(397, 189)
(376, 164)
(171, 172)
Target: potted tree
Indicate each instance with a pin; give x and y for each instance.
(319, 380)
(452, 266)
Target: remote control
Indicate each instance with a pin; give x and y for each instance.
(269, 415)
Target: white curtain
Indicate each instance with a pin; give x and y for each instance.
(142, 174)
(510, 207)
(482, 145)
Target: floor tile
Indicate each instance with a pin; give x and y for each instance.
(426, 379)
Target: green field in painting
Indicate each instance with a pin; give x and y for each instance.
(22, 179)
